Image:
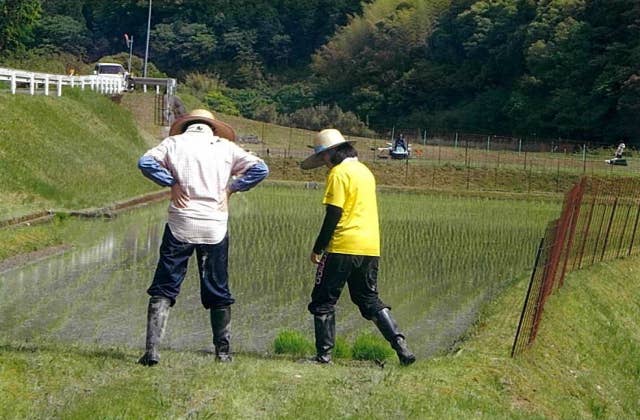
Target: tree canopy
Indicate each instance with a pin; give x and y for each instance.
(546, 68)
(551, 68)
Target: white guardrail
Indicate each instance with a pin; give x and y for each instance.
(42, 82)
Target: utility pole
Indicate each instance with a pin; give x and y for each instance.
(129, 41)
(146, 51)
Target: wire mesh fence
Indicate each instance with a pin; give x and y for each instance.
(469, 151)
(599, 222)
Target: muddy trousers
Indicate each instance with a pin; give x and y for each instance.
(212, 269)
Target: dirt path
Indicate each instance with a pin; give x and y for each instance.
(47, 215)
(107, 211)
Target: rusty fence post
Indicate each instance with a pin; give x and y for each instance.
(576, 201)
(597, 238)
(635, 229)
(606, 235)
(624, 229)
(587, 229)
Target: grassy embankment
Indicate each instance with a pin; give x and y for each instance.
(585, 364)
(73, 152)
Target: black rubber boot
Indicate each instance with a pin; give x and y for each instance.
(389, 329)
(220, 319)
(157, 315)
(325, 329)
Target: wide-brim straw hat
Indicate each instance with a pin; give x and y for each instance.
(323, 141)
(220, 129)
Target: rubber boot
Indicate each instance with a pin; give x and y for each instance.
(220, 319)
(325, 329)
(389, 329)
(157, 315)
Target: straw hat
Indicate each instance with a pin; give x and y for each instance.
(202, 115)
(323, 141)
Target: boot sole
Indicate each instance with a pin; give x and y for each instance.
(407, 361)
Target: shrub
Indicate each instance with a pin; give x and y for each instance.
(265, 112)
(292, 96)
(199, 84)
(217, 101)
(252, 102)
(323, 116)
(342, 349)
(293, 343)
(370, 347)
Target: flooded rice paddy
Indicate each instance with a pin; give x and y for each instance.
(442, 258)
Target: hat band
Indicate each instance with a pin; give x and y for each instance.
(320, 148)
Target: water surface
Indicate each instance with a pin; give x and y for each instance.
(441, 259)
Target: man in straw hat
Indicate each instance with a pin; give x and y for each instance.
(347, 249)
(197, 161)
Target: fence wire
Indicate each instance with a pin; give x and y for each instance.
(468, 152)
(599, 222)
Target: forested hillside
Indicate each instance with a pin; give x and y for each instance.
(547, 68)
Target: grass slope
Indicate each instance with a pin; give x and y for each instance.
(585, 364)
(78, 150)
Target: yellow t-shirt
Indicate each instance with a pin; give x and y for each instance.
(352, 187)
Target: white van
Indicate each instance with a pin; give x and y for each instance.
(113, 70)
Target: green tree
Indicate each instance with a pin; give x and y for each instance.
(63, 33)
(582, 69)
(243, 66)
(181, 46)
(218, 101)
(373, 53)
(17, 20)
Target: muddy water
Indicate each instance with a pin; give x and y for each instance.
(95, 292)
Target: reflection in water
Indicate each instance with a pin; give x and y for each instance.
(96, 293)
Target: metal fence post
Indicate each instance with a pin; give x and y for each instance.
(595, 247)
(606, 235)
(624, 229)
(576, 203)
(558, 175)
(635, 228)
(526, 299)
(585, 232)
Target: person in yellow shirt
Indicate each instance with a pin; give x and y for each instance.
(347, 249)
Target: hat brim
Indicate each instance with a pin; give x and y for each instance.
(220, 129)
(315, 160)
